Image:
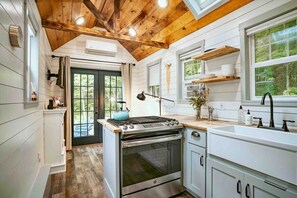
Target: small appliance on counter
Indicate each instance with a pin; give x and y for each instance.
(122, 114)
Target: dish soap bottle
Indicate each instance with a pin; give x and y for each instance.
(240, 115)
(248, 118)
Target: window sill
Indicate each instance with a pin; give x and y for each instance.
(30, 104)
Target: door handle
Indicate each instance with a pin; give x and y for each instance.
(247, 191)
(195, 134)
(96, 112)
(201, 161)
(239, 187)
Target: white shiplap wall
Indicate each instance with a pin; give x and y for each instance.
(76, 49)
(224, 97)
(21, 130)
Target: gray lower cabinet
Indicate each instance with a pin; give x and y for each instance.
(257, 187)
(195, 162)
(196, 169)
(226, 181)
(223, 181)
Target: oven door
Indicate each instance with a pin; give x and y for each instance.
(149, 162)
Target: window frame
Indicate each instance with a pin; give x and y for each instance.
(151, 64)
(180, 68)
(30, 20)
(197, 9)
(271, 17)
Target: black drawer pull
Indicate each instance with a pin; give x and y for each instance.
(195, 134)
(247, 191)
(239, 187)
(201, 160)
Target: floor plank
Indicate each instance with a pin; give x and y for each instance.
(84, 175)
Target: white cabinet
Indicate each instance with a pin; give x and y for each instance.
(195, 161)
(111, 163)
(195, 169)
(225, 180)
(257, 187)
(54, 142)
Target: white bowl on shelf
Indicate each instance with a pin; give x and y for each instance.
(227, 70)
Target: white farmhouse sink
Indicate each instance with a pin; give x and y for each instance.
(268, 151)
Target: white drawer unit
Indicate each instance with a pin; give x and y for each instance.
(196, 137)
(54, 142)
(195, 161)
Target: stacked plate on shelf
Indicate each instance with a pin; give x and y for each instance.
(206, 76)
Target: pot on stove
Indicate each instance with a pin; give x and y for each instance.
(122, 114)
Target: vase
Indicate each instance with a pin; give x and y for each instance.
(198, 114)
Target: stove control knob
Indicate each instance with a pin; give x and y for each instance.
(167, 123)
(172, 122)
(131, 126)
(125, 127)
(176, 122)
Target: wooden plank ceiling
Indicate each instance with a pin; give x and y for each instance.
(152, 23)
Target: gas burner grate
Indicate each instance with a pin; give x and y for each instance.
(139, 120)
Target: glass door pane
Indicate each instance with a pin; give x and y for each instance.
(112, 94)
(94, 94)
(84, 105)
(85, 129)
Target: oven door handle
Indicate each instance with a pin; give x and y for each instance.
(145, 141)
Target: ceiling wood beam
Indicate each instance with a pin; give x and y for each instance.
(99, 16)
(98, 33)
(137, 20)
(116, 20)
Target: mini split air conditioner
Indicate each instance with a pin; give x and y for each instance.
(101, 48)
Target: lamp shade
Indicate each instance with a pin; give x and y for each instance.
(140, 96)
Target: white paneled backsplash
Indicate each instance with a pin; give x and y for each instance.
(21, 130)
(225, 97)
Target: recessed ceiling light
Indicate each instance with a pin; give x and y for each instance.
(163, 3)
(132, 32)
(80, 20)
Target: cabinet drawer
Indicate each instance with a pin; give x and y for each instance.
(196, 137)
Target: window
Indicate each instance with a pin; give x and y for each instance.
(154, 77)
(270, 59)
(31, 58)
(189, 69)
(200, 8)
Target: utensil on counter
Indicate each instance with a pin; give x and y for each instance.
(210, 113)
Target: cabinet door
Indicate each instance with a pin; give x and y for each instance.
(195, 174)
(223, 181)
(256, 187)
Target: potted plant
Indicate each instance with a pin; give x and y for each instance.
(198, 100)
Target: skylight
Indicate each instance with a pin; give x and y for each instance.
(200, 8)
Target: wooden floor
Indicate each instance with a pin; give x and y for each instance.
(84, 175)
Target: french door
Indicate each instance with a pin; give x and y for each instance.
(94, 96)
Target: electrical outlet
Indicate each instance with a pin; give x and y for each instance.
(38, 157)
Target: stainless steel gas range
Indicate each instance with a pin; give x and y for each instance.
(150, 157)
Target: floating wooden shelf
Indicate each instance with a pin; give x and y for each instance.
(216, 79)
(215, 53)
